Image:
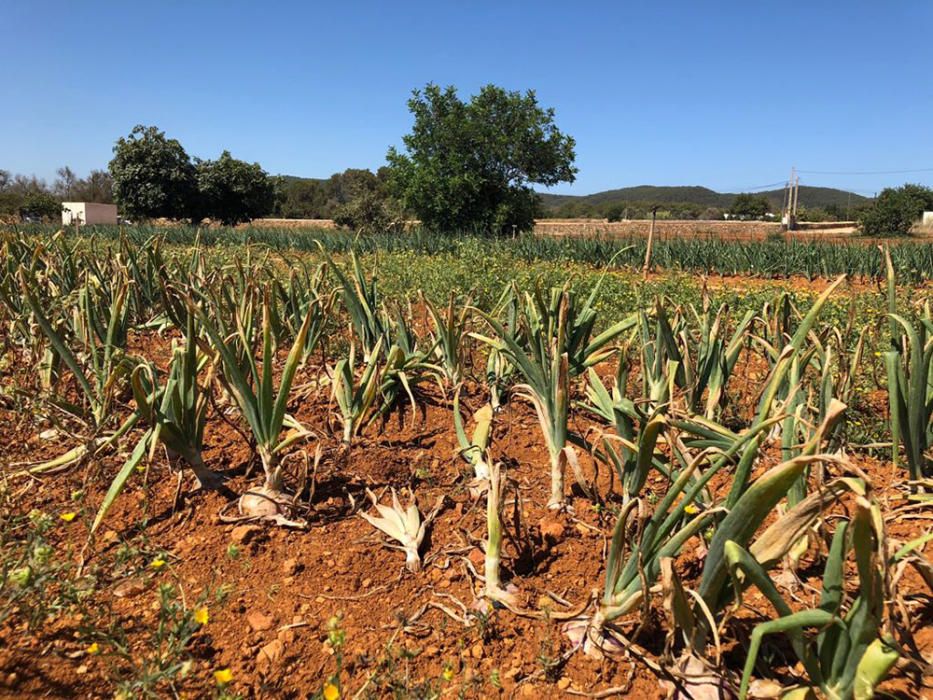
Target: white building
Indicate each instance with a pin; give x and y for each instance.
(86, 213)
(928, 218)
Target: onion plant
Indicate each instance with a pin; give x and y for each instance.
(553, 343)
(716, 355)
(262, 404)
(633, 566)
(450, 330)
(142, 269)
(405, 365)
(848, 657)
(682, 514)
(98, 363)
(662, 362)
(404, 525)
(637, 429)
(785, 358)
(499, 371)
(176, 413)
(910, 390)
(356, 399)
(362, 303)
(495, 504)
(301, 296)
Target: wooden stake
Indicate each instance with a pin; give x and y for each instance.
(644, 271)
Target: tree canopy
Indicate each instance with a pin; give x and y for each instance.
(470, 165)
(896, 210)
(749, 206)
(232, 190)
(152, 175)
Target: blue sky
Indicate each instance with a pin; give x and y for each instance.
(724, 94)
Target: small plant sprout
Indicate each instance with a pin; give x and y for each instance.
(404, 525)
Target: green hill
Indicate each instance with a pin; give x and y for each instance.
(689, 198)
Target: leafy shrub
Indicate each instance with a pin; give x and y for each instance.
(896, 210)
(368, 213)
(749, 206)
(615, 212)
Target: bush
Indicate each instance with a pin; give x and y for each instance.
(896, 210)
(615, 213)
(40, 205)
(368, 213)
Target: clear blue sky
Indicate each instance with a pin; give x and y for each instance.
(724, 94)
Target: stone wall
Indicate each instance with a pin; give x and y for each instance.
(663, 228)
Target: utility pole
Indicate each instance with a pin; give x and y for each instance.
(791, 193)
(787, 221)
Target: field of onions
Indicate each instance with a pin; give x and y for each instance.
(317, 466)
(776, 257)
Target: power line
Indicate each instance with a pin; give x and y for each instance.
(869, 192)
(866, 172)
(779, 183)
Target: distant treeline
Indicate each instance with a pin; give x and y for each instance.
(312, 198)
(689, 211)
(815, 204)
(25, 197)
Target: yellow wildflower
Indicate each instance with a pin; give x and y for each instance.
(93, 648)
(331, 692)
(223, 676)
(68, 517)
(157, 563)
(691, 509)
(448, 674)
(201, 616)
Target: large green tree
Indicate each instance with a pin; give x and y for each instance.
(471, 165)
(153, 175)
(896, 210)
(749, 206)
(232, 191)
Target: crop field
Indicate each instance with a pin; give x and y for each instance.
(274, 463)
